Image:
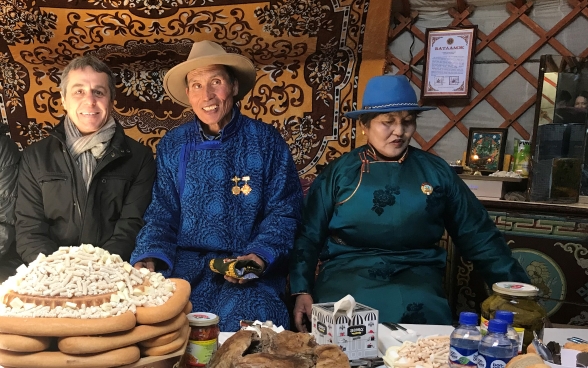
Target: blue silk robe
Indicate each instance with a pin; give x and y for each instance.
(195, 216)
(374, 225)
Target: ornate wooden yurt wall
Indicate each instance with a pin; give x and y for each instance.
(512, 35)
(313, 60)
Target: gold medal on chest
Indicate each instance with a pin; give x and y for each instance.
(236, 190)
(427, 188)
(246, 189)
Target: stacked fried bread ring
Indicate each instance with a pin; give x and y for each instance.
(83, 307)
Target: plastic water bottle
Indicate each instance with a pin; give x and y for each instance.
(464, 341)
(495, 348)
(513, 335)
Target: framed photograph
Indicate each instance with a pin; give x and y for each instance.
(449, 59)
(485, 152)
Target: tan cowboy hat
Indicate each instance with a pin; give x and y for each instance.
(205, 53)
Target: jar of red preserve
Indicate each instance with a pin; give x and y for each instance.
(203, 340)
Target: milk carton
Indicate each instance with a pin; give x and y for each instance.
(357, 337)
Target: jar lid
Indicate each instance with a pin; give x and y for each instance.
(201, 319)
(515, 288)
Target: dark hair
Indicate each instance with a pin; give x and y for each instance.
(93, 62)
(230, 73)
(366, 118)
(564, 96)
(4, 128)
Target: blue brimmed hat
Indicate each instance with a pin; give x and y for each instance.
(388, 93)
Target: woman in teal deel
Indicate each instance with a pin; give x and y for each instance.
(374, 216)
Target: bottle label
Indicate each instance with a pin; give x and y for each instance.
(200, 352)
(491, 362)
(483, 326)
(521, 332)
(461, 357)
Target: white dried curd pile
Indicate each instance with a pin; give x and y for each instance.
(84, 307)
(81, 282)
(427, 352)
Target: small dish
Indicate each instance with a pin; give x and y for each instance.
(437, 352)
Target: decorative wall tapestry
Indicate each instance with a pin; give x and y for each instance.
(312, 58)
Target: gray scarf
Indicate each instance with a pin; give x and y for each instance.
(86, 149)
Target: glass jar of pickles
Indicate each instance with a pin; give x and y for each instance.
(203, 340)
(521, 299)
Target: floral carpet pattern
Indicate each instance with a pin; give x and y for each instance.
(309, 56)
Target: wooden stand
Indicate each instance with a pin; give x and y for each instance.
(492, 187)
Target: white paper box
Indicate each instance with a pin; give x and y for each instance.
(486, 189)
(357, 337)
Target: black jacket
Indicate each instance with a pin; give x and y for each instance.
(54, 209)
(9, 157)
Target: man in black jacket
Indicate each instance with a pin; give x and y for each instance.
(87, 182)
(9, 157)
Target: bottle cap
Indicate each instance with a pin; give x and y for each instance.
(202, 319)
(515, 288)
(506, 316)
(497, 325)
(468, 318)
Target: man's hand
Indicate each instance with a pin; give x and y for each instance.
(148, 263)
(302, 307)
(251, 257)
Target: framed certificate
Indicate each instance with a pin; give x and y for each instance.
(449, 58)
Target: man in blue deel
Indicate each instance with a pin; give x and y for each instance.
(226, 188)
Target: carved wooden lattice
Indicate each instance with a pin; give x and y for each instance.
(405, 22)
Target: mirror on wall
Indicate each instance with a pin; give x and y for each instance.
(559, 135)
